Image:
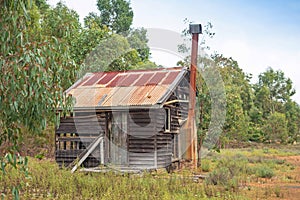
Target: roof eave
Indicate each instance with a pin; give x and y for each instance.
(120, 108)
(172, 87)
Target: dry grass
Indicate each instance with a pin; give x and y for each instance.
(266, 173)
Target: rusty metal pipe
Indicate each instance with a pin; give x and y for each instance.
(195, 30)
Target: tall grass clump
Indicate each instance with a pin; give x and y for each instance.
(229, 172)
(47, 181)
(264, 171)
(205, 165)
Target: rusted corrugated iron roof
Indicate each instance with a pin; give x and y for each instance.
(123, 89)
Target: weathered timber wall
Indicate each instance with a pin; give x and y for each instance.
(141, 139)
(74, 134)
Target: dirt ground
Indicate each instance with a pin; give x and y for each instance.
(284, 186)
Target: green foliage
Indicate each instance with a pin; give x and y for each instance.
(117, 15)
(89, 38)
(273, 95)
(137, 39)
(219, 176)
(147, 65)
(211, 102)
(275, 127)
(205, 165)
(47, 181)
(236, 166)
(39, 45)
(127, 61)
(235, 169)
(84, 42)
(264, 172)
(123, 49)
(34, 72)
(61, 22)
(238, 98)
(12, 162)
(40, 156)
(256, 112)
(292, 113)
(229, 172)
(15, 161)
(42, 48)
(279, 86)
(113, 53)
(248, 106)
(42, 5)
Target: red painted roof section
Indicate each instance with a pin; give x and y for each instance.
(157, 78)
(109, 76)
(117, 81)
(130, 79)
(170, 78)
(144, 79)
(94, 79)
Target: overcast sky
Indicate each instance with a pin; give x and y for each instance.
(257, 33)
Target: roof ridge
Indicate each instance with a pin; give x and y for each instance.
(142, 70)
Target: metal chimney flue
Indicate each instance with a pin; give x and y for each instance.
(195, 30)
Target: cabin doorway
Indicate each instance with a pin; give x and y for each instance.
(117, 138)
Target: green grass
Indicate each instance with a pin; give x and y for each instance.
(229, 173)
(264, 172)
(205, 165)
(47, 181)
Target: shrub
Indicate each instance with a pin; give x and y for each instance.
(205, 165)
(256, 159)
(265, 150)
(277, 192)
(236, 166)
(219, 176)
(279, 161)
(264, 172)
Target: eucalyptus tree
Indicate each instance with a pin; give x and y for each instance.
(273, 97)
(34, 70)
(117, 15)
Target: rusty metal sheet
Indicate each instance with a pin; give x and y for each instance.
(89, 97)
(133, 95)
(117, 95)
(129, 80)
(138, 95)
(144, 79)
(157, 78)
(95, 78)
(130, 88)
(170, 77)
(143, 95)
(107, 78)
(154, 95)
(117, 80)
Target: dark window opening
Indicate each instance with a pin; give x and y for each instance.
(167, 119)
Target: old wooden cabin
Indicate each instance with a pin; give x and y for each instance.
(131, 120)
